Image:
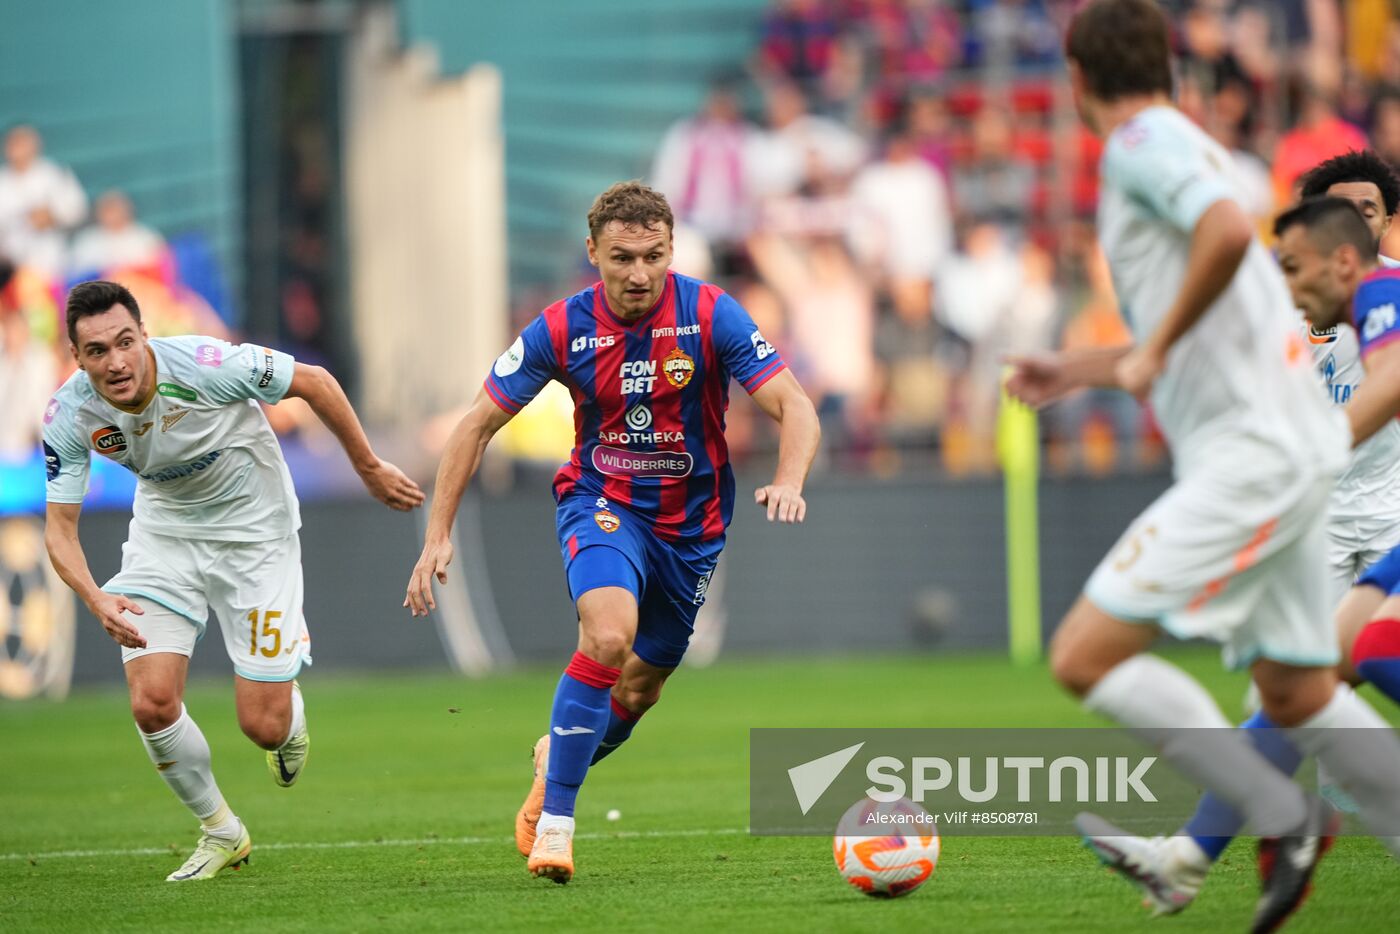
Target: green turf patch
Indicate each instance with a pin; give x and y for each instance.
(403, 818)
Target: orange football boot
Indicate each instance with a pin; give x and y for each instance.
(529, 814)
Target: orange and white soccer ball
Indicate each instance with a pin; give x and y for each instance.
(886, 850)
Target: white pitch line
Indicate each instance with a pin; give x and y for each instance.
(358, 844)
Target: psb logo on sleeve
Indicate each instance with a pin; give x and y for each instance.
(761, 348)
(510, 361)
(109, 440)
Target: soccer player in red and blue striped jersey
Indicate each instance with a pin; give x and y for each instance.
(646, 496)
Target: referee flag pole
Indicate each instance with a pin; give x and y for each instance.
(1018, 450)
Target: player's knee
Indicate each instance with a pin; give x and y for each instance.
(154, 709)
(606, 645)
(264, 729)
(1072, 669)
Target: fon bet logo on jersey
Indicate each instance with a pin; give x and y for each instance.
(650, 396)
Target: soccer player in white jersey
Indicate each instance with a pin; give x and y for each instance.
(1364, 522)
(1363, 528)
(214, 527)
(1232, 550)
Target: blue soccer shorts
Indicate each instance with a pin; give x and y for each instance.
(605, 545)
(1384, 574)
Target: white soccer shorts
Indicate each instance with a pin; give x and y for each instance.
(254, 589)
(1235, 552)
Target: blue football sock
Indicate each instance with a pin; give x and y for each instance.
(1384, 673)
(1215, 822)
(620, 724)
(577, 724)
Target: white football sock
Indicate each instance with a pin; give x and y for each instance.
(298, 715)
(181, 754)
(1362, 754)
(555, 822)
(1164, 706)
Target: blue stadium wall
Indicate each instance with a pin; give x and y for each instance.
(139, 95)
(586, 100)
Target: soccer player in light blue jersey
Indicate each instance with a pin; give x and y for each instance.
(214, 526)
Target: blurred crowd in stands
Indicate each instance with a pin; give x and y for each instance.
(901, 194)
(52, 235)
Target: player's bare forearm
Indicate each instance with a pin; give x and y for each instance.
(1043, 378)
(327, 399)
(1377, 400)
(323, 393)
(1218, 246)
(1095, 367)
(460, 460)
(66, 553)
(799, 433)
(66, 550)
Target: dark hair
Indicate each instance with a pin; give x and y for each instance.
(1330, 222)
(95, 297)
(630, 203)
(1122, 47)
(1356, 166)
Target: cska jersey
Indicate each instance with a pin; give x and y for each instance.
(649, 398)
(207, 462)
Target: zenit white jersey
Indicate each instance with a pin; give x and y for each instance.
(208, 464)
(1243, 368)
(1370, 488)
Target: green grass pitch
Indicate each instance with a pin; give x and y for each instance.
(402, 821)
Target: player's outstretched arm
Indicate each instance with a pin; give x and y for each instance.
(1377, 400)
(1043, 378)
(1219, 242)
(66, 553)
(799, 432)
(384, 481)
(460, 460)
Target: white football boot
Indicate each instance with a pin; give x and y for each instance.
(1169, 870)
(212, 855)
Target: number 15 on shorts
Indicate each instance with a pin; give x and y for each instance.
(269, 632)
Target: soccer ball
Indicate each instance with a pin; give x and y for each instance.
(891, 865)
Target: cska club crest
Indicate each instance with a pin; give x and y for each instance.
(678, 367)
(607, 521)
